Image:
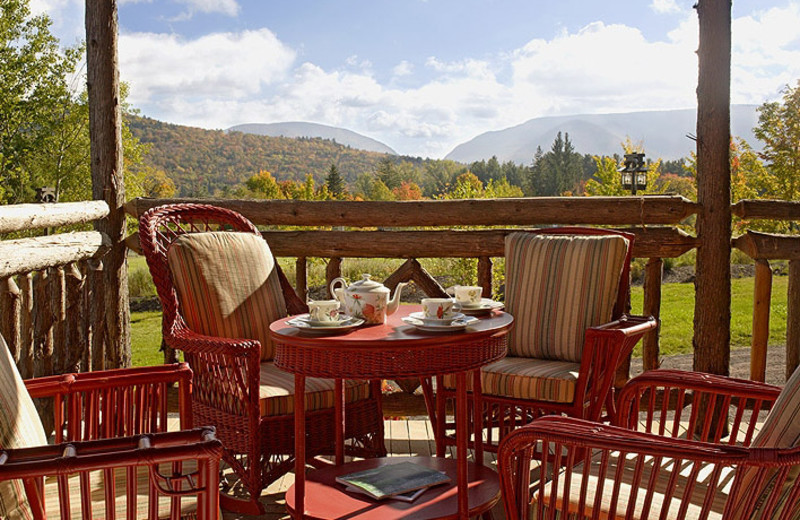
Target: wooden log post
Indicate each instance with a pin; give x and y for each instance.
(301, 277)
(332, 271)
(105, 133)
(793, 319)
(26, 327)
(11, 304)
(58, 308)
(653, 275)
(485, 275)
(712, 317)
(761, 306)
(75, 309)
(96, 282)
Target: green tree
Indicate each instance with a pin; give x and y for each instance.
(558, 171)
(35, 92)
(334, 182)
(389, 174)
(779, 129)
(264, 186)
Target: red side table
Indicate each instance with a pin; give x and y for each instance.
(389, 351)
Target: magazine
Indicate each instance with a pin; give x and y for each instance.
(404, 497)
(393, 479)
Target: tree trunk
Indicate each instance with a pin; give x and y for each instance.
(105, 131)
(712, 315)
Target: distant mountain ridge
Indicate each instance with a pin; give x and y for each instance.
(302, 129)
(663, 134)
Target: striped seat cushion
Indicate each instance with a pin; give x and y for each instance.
(527, 378)
(20, 427)
(658, 507)
(276, 391)
(138, 502)
(556, 287)
(781, 429)
(227, 285)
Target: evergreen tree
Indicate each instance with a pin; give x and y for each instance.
(334, 182)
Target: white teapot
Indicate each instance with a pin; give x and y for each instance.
(366, 299)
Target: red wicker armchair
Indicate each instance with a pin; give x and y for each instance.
(684, 445)
(113, 453)
(576, 268)
(229, 385)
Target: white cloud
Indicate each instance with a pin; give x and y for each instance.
(665, 6)
(227, 7)
(404, 68)
(219, 65)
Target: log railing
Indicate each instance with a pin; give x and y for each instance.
(51, 290)
(379, 229)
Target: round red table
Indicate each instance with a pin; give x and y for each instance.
(392, 350)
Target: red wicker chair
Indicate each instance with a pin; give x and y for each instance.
(258, 448)
(684, 445)
(605, 347)
(112, 452)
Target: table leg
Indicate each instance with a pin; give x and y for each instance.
(462, 438)
(441, 417)
(477, 415)
(299, 445)
(338, 410)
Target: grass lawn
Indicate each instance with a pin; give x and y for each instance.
(677, 315)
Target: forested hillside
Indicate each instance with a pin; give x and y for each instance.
(204, 162)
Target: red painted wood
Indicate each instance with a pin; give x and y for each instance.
(326, 499)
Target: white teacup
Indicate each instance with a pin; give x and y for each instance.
(324, 310)
(468, 295)
(439, 308)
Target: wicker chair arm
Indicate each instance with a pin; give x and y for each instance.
(659, 400)
(605, 347)
(63, 460)
(101, 404)
(65, 384)
(578, 441)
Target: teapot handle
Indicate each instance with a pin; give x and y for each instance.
(333, 284)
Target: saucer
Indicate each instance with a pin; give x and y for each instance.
(485, 307)
(321, 323)
(308, 326)
(435, 321)
(454, 326)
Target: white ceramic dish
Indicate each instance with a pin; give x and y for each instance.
(306, 326)
(453, 326)
(343, 319)
(485, 307)
(435, 321)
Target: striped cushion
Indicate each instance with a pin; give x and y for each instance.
(20, 427)
(527, 378)
(556, 287)
(139, 503)
(627, 484)
(276, 391)
(781, 429)
(227, 285)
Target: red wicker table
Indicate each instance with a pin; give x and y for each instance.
(393, 350)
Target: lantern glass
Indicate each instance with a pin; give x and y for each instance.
(627, 180)
(641, 181)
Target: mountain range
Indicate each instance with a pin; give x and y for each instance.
(663, 134)
(301, 129)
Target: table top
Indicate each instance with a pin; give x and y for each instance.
(325, 498)
(394, 349)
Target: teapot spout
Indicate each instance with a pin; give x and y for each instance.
(394, 303)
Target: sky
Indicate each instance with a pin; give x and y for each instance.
(423, 76)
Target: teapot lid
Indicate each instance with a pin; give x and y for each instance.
(366, 284)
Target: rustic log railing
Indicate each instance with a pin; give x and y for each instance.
(51, 290)
(644, 216)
